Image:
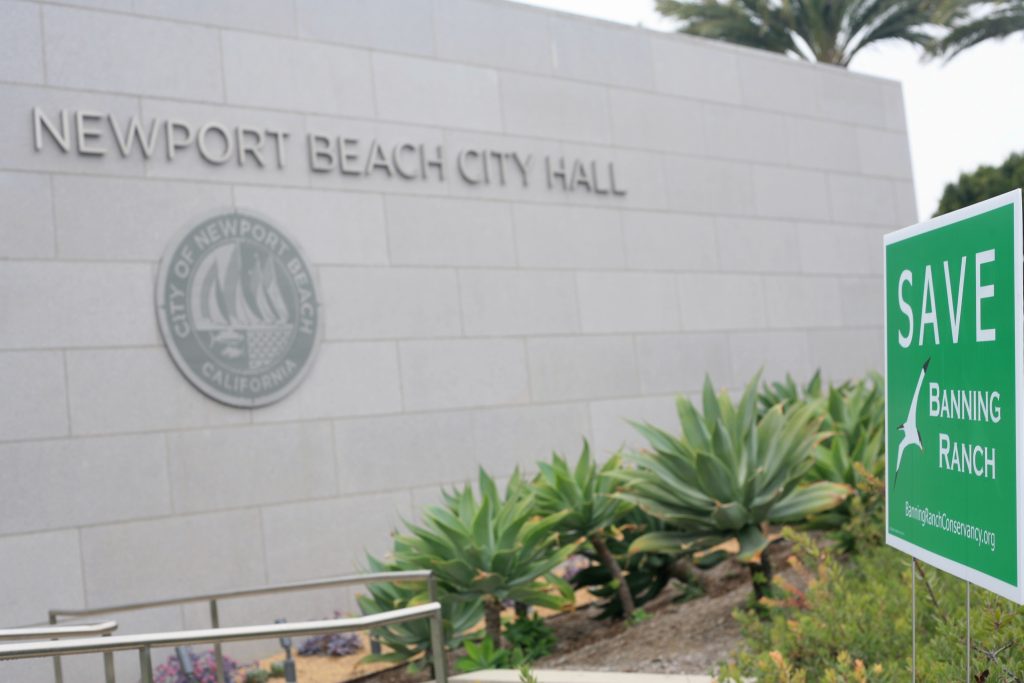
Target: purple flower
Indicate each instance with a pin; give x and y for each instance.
(204, 666)
(335, 644)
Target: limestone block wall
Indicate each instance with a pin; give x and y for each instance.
(465, 324)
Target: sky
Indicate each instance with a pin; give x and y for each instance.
(960, 115)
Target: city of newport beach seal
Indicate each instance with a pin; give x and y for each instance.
(238, 309)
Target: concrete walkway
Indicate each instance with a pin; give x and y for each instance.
(558, 676)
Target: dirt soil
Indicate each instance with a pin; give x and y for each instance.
(690, 637)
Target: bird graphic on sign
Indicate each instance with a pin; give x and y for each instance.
(911, 434)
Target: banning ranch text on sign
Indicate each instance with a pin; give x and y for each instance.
(950, 404)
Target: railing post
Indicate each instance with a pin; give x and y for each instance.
(58, 669)
(145, 665)
(218, 655)
(437, 635)
(108, 664)
(437, 645)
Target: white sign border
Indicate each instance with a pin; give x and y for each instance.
(1012, 198)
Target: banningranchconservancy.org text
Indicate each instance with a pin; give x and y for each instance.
(940, 520)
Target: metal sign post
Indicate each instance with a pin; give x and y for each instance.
(913, 620)
(967, 646)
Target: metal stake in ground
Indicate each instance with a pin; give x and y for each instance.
(968, 639)
(913, 620)
(289, 663)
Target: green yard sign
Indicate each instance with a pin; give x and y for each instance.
(954, 317)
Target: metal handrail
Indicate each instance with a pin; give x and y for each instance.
(332, 582)
(39, 632)
(145, 642)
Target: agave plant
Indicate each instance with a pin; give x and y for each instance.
(728, 475)
(490, 549)
(411, 639)
(855, 424)
(646, 574)
(788, 392)
(854, 450)
(584, 492)
(853, 421)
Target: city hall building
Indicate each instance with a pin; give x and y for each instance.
(274, 272)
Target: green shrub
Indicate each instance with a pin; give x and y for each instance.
(257, 676)
(862, 609)
(277, 670)
(864, 526)
(483, 654)
(410, 640)
(857, 609)
(531, 636)
(639, 617)
(584, 492)
(529, 639)
(489, 549)
(773, 668)
(997, 634)
(726, 476)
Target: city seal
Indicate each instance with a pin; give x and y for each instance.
(238, 309)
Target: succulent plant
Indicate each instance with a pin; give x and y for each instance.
(585, 493)
(490, 548)
(727, 475)
(788, 392)
(646, 574)
(854, 450)
(408, 640)
(855, 425)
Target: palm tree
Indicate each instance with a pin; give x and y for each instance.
(973, 21)
(829, 31)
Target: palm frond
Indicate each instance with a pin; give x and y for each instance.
(974, 22)
(828, 31)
